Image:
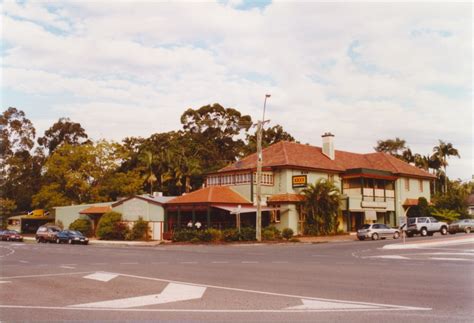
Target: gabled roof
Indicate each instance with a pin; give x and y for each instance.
(291, 154)
(211, 195)
(96, 210)
(158, 200)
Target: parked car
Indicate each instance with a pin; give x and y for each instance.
(71, 237)
(377, 231)
(11, 235)
(426, 226)
(47, 233)
(465, 225)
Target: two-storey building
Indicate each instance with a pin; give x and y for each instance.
(375, 186)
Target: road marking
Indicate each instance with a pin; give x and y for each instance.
(448, 253)
(309, 304)
(11, 251)
(129, 263)
(220, 262)
(422, 245)
(390, 257)
(171, 293)
(24, 261)
(4, 282)
(67, 267)
(103, 277)
(47, 275)
(249, 262)
(452, 259)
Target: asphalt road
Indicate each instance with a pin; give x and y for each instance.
(340, 281)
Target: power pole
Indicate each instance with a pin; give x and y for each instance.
(258, 226)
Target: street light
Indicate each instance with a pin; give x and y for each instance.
(258, 226)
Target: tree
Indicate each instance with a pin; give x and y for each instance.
(7, 207)
(395, 147)
(321, 203)
(149, 177)
(270, 136)
(20, 168)
(64, 131)
(443, 151)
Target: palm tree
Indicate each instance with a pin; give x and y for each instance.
(150, 178)
(443, 151)
(321, 203)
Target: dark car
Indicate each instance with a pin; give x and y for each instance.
(11, 235)
(71, 237)
(47, 233)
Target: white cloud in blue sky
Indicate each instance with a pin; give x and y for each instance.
(364, 71)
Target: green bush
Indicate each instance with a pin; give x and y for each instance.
(139, 230)
(195, 240)
(247, 234)
(310, 229)
(82, 225)
(287, 233)
(271, 233)
(204, 235)
(216, 235)
(110, 227)
(230, 235)
(184, 235)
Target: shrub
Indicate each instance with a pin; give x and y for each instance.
(310, 229)
(111, 228)
(139, 230)
(184, 235)
(195, 240)
(60, 224)
(82, 225)
(271, 233)
(204, 235)
(230, 235)
(216, 235)
(247, 234)
(287, 233)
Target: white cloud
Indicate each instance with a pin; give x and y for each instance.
(124, 69)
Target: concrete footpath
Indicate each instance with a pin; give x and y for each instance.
(319, 239)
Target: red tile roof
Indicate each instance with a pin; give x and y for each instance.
(291, 154)
(211, 195)
(410, 202)
(96, 210)
(285, 198)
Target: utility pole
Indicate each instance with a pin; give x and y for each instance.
(258, 226)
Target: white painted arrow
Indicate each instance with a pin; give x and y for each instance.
(309, 304)
(172, 293)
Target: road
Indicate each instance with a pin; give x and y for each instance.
(355, 281)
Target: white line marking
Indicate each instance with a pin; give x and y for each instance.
(422, 245)
(165, 310)
(320, 305)
(188, 262)
(452, 259)
(103, 277)
(4, 282)
(47, 275)
(220, 262)
(270, 293)
(390, 257)
(24, 261)
(69, 264)
(171, 293)
(129, 263)
(67, 267)
(12, 251)
(249, 262)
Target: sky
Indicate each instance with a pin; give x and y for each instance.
(363, 71)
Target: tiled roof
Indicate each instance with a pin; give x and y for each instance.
(159, 200)
(285, 198)
(291, 154)
(410, 202)
(211, 194)
(96, 210)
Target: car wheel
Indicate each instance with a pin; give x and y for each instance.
(58, 241)
(424, 232)
(396, 235)
(467, 230)
(375, 236)
(361, 238)
(444, 231)
(69, 241)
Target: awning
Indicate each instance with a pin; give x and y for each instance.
(371, 215)
(244, 209)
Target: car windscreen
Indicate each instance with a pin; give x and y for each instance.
(411, 220)
(365, 226)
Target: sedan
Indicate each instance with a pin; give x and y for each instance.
(377, 231)
(465, 225)
(11, 235)
(71, 237)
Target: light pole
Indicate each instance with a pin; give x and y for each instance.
(258, 226)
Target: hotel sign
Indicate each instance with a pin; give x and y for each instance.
(299, 181)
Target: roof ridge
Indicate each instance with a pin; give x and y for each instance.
(390, 162)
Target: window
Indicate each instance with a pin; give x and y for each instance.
(407, 184)
(420, 182)
(275, 215)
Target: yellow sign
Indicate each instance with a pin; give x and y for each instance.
(299, 181)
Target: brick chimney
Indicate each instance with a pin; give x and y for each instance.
(328, 145)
